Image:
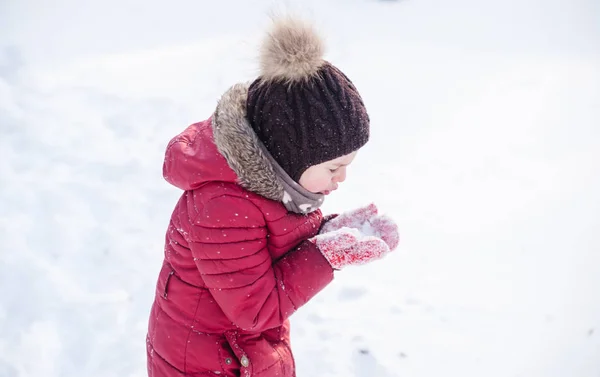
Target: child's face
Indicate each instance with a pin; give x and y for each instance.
(325, 177)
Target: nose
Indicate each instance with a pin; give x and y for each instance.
(341, 176)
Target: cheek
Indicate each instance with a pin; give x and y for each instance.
(316, 182)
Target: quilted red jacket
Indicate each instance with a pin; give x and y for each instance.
(237, 264)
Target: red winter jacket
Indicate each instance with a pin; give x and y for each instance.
(237, 264)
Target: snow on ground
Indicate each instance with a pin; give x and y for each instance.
(485, 150)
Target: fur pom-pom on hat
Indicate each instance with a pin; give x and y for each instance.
(291, 52)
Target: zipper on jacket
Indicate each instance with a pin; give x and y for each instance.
(167, 284)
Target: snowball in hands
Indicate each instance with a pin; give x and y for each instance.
(368, 222)
(352, 219)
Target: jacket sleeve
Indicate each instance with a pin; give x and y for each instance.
(230, 251)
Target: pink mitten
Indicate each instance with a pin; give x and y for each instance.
(368, 222)
(352, 219)
(383, 227)
(348, 246)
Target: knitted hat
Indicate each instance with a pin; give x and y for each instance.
(302, 108)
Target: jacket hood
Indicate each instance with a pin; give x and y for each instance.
(223, 148)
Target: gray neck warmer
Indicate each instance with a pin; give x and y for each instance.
(295, 197)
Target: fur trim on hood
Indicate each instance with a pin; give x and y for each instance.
(238, 143)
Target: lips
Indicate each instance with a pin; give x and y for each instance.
(327, 192)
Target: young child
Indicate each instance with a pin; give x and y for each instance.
(247, 245)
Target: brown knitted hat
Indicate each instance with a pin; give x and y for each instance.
(303, 109)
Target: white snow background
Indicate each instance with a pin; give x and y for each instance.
(485, 148)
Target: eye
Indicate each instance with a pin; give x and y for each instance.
(333, 170)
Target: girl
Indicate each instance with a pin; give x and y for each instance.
(247, 245)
